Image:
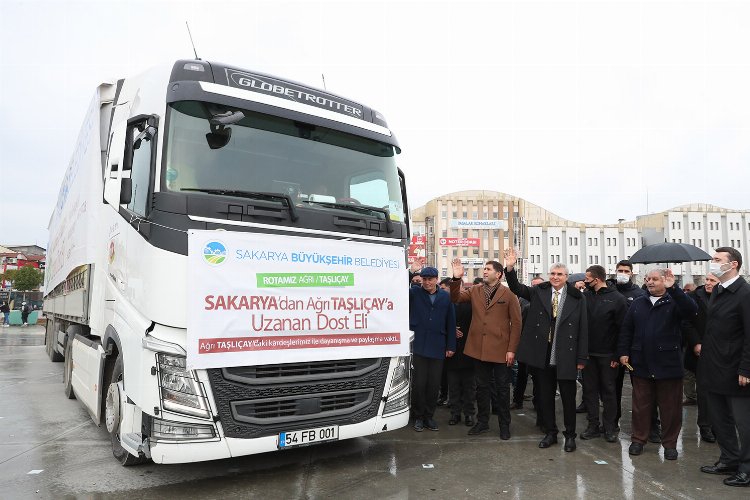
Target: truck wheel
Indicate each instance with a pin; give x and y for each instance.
(51, 341)
(113, 417)
(68, 369)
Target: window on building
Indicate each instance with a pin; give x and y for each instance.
(445, 233)
(575, 240)
(455, 214)
(464, 233)
(445, 271)
(679, 225)
(444, 214)
(673, 226)
(698, 224)
(596, 259)
(557, 240)
(445, 252)
(576, 259)
(591, 259)
(551, 240)
(596, 241)
(486, 254)
(692, 225)
(590, 241)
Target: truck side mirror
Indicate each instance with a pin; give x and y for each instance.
(126, 191)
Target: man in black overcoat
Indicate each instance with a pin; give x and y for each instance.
(725, 363)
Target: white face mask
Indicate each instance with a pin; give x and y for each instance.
(715, 268)
(622, 278)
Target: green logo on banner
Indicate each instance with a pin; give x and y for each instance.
(293, 280)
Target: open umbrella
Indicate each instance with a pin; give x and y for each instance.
(572, 278)
(668, 253)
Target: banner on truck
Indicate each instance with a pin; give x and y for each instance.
(260, 299)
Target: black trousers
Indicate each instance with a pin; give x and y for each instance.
(701, 393)
(425, 386)
(730, 418)
(461, 391)
(599, 381)
(483, 371)
(548, 383)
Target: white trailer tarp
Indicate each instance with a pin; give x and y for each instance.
(73, 228)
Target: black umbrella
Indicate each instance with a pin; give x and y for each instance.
(572, 278)
(668, 253)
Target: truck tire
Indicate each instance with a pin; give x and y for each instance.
(113, 417)
(68, 370)
(51, 342)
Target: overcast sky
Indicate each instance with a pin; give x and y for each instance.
(595, 110)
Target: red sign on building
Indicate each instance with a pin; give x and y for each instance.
(459, 242)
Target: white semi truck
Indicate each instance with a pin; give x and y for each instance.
(226, 266)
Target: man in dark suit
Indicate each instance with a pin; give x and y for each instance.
(725, 363)
(433, 321)
(555, 341)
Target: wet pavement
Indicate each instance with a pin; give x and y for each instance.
(50, 448)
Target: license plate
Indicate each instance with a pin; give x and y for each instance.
(308, 436)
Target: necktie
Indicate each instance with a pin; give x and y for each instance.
(555, 302)
(719, 288)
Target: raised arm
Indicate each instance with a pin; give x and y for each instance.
(509, 260)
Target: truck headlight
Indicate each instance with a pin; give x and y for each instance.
(396, 403)
(164, 430)
(180, 390)
(400, 375)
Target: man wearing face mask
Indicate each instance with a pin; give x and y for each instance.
(623, 282)
(606, 311)
(725, 364)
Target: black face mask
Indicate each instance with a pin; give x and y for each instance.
(589, 285)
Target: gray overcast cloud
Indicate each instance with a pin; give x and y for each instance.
(580, 107)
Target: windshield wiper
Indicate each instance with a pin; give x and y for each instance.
(258, 195)
(359, 209)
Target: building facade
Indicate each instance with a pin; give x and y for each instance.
(477, 226)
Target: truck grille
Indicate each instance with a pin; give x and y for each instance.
(256, 401)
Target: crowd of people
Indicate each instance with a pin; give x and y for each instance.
(472, 335)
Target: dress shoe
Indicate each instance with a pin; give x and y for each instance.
(419, 425)
(591, 432)
(504, 432)
(719, 468)
(469, 420)
(670, 453)
(654, 436)
(635, 448)
(517, 406)
(708, 435)
(548, 441)
(454, 419)
(480, 428)
(610, 437)
(570, 444)
(581, 408)
(431, 424)
(739, 479)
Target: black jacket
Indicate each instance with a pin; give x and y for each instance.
(629, 290)
(606, 311)
(572, 332)
(693, 328)
(459, 361)
(725, 352)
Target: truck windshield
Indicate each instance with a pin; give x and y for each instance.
(314, 165)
